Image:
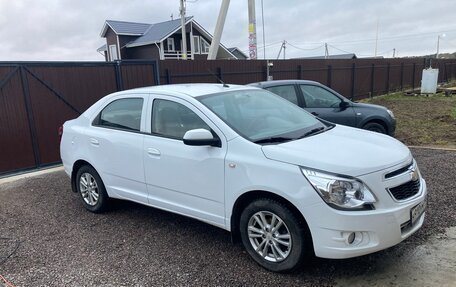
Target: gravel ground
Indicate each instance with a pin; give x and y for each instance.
(58, 243)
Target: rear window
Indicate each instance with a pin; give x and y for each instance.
(122, 114)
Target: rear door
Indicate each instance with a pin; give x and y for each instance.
(115, 146)
(326, 105)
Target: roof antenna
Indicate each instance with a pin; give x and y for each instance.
(172, 17)
(218, 79)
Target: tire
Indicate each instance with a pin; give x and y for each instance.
(277, 257)
(375, 127)
(93, 194)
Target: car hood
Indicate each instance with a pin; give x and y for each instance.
(342, 150)
(368, 106)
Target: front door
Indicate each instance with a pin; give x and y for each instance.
(184, 179)
(326, 105)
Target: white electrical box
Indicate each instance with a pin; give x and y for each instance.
(429, 81)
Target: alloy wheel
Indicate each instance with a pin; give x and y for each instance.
(269, 236)
(89, 189)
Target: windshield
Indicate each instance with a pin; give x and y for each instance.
(261, 116)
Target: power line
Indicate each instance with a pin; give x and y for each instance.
(404, 36)
(268, 45)
(305, 49)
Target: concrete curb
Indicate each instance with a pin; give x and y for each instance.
(30, 174)
(432, 147)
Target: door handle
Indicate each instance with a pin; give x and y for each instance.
(153, 151)
(314, 113)
(94, 142)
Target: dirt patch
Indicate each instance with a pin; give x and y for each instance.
(422, 120)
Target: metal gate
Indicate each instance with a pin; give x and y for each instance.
(36, 98)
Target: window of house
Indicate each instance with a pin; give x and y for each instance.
(173, 120)
(196, 45)
(122, 114)
(170, 44)
(287, 92)
(204, 46)
(113, 52)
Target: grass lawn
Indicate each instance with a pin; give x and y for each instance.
(422, 120)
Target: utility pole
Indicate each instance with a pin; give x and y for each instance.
(213, 49)
(376, 41)
(184, 36)
(252, 31)
(262, 23)
(326, 51)
(394, 52)
(282, 47)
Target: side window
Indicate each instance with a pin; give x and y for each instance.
(204, 46)
(122, 114)
(170, 44)
(173, 120)
(287, 92)
(317, 97)
(196, 44)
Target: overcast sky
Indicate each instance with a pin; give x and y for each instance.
(70, 29)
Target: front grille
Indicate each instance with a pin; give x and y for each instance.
(405, 190)
(398, 171)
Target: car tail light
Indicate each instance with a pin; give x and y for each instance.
(60, 131)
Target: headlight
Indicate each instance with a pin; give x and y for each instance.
(339, 192)
(390, 112)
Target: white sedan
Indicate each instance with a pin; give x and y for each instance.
(288, 185)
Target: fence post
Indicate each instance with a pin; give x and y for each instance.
(388, 67)
(446, 72)
(372, 80)
(219, 73)
(30, 117)
(402, 76)
(168, 76)
(329, 76)
(156, 70)
(119, 80)
(299, 72)
(413, 76)
(353, 69)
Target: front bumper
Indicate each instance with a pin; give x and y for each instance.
(373, 230)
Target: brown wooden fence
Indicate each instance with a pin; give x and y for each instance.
(355, 79)
(37, 97)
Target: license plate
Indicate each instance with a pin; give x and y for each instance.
(417, 211)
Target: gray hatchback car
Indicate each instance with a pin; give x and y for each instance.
(329, 105)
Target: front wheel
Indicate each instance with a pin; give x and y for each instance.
(375, 127)
(91, 189)
(273, 236)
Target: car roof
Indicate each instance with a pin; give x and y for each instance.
(191, 90)
(282, 82)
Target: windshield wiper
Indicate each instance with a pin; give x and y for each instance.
(273, 140)
(312, 131)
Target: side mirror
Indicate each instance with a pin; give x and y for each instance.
(343, 105)
(201, 137)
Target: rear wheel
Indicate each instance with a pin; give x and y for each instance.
(273, 236)
(375, 127)
(91, 189)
